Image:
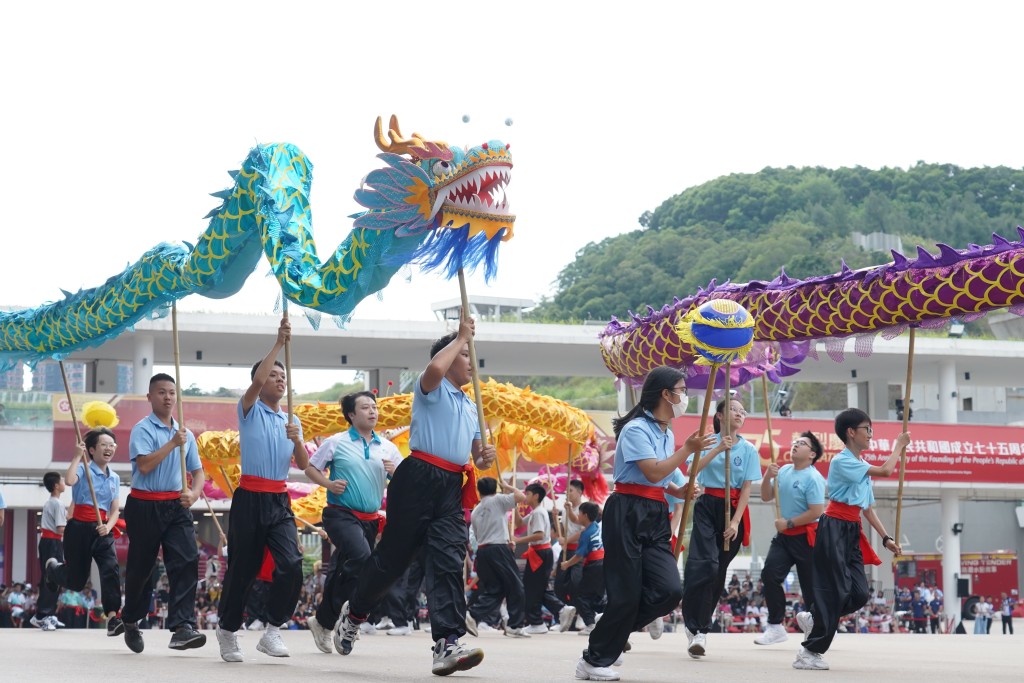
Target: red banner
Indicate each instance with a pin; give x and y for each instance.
(937, 452)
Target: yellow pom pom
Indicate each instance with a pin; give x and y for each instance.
(99, 414)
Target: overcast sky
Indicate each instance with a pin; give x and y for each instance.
(121, 118)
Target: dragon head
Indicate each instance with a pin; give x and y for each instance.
(439, 189)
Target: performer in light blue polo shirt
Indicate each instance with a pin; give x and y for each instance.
(86, 538)
(801, 502)
(425, 505)
(640, 573)
(840, 547)
(158, 514)
(261, 514)
(706, 559)
(360, 463)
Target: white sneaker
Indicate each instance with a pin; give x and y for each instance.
(536, 629)
(256, 625)
(656, 628)
(775, 633)
(321, 636)
(484, 627)
(384, 624)
(399, 630)
(36, 621)
(585, 631)
(229, 650)
(805, 659)
(271, 644)
(57, 622)
(49, 624)
(367, 629)
(345, 633)
(697, 646)
(565, 618)
(619, 661)
(454, 657)
(586, 671)
(471, 625)
(516, 632)
(805, 620)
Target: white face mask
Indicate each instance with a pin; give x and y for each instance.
(679, 409)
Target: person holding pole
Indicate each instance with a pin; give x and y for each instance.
(840, 548)
(707, 560)
(158, 516)
(426, 499)
(360, 462)
(640, 573)
(588, 555)
(261, 512)
(87, 538)
(801, 496)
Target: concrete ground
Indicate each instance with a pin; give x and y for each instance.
(84, 656)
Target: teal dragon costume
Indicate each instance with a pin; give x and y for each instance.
(433, 205)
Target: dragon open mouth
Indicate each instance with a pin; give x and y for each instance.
(480, 191)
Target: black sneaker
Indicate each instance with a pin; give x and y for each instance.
(133, 638)
(186, 637)
(115, 626)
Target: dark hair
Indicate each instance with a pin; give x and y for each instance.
(50, 480)
(92, 437)
(257, 364)
(487, 486)
(815, 445)
(657, 380)
(348, 402)
(444, 341)
(160, 377)
(537, 489)
(577, 484)
(591, 510)
(851, 418)
(720, 410)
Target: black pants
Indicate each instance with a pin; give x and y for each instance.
(640, 574)
(402, 603)
(154, 525)
(261, 521)
(353, 540)
(707, 563)
(567, 582)
(82, 546)
(535, 588)
(256, 602)
(499, 580)
(424, 509)
(590, 594)
(1007, 624)
(46, 606)
(784, 552)
(840, 585)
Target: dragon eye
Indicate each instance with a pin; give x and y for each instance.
(441, 168)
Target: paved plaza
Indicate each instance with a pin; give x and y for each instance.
(85, 656)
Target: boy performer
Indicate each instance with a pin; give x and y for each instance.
(261, 513)
(567, 582)
(84, 539)
(51, 544)
(840, 548)
(360, 462)
(495, 563)
(539, 560)
(801, 501)
(425, 505)
(590, 554)
(158, 514)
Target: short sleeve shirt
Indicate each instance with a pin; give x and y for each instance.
(105, 482)
(489, 519)
(744, 465)
(150, 435)
(799, 489)
(444, 422)
(538, 521)
(359, 462)
(54, 515)
(266, 449)
(642, 438)
(848, 480)
(590, 540)
(679, 479)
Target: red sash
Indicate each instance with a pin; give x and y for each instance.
(261, 485)
(533, 558)
(650, 492)
(851, 513)
(470, 497)
(593, 556)
(266, 572)
(810, 529)
(734, 498)
(361, 516)
(571, 547)
(51, 534)
(155, 495)
(87, 513)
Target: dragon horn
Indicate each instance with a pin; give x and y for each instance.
(416, 146)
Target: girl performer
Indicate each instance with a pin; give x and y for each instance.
(636, 532)
(706, 560)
